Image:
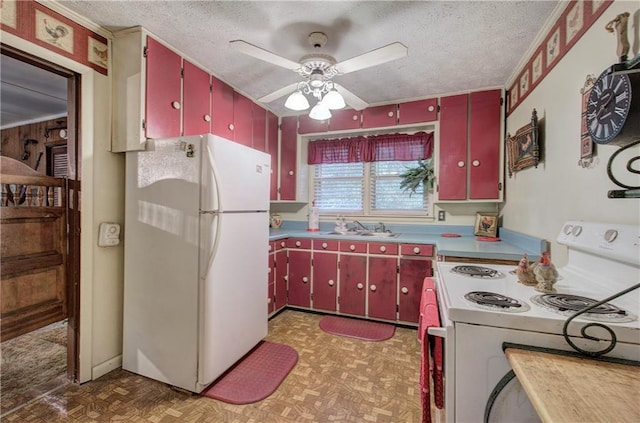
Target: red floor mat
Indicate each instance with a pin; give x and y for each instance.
(355, 328)
(256, 376)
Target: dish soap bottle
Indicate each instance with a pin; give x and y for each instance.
(314, 218)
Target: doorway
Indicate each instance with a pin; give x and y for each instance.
(47, 143)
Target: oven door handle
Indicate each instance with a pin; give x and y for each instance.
(439, 332)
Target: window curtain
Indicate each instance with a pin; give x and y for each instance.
(375, 148)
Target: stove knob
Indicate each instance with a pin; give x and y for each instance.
(567, 229)
(577, 230)
(610, 235)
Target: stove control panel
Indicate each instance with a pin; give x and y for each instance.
(615, 241)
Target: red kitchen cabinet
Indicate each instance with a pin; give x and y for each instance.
(452, 159)
(353, 284)
(379, 116)
(325, 280)
(484, 145)
(288, 156)
(299, 278)
(259, 118)
(418, 111)
(242, 119)
(272, 149)
(382, 287)
(344, 119)
(221, 109)
(281, 278)
(470, 123)
(412, 273)
(308, 125)
(163, 91)
(196, 110)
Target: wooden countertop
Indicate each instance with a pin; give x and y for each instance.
(573, 389)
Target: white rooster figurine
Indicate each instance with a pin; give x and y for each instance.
(546, 274)
(524, 272)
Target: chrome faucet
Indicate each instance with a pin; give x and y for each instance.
(361, 225)
(381, 227)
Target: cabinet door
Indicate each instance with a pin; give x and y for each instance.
(484, 145)
(382, 287)
(221, 109)
(272, 149)
(288, 154)
(412, 273)
(344, 119)
(418, 111)
(308, 125)
(163, 91)
(379, 116)
(281, 278)
(353, 284)
(452, 176)
(271, 281)
(196, 109)
(299, 278)
(325, 280)
(242, 120)
(259, 118)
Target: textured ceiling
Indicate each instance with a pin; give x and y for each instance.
(453, 45)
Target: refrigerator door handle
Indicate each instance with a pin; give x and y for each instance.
(216, 183)
(216, 240)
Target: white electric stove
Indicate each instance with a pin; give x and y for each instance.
(603, 259)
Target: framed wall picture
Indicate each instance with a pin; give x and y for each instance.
(523, 148)
(486, 224)
(586, 143)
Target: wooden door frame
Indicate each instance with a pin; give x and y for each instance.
(73, 200)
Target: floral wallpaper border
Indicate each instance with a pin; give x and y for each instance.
(42, 26)
(575, 20)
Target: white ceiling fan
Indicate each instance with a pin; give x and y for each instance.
(317, 71)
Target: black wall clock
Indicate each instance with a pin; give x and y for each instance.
(613, 109)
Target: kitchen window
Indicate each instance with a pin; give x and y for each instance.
(360, 175)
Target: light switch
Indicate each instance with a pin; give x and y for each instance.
(109, 234)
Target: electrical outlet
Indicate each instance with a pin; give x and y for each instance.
(441, 215)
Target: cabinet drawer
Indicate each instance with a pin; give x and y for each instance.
(418, 111)
(353, 246)
(323, 244)
(383, 248)
(416, 250)
(379, 116)
(299, 243)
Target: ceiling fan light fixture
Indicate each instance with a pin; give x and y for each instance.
(333, 100)
(320, 112)
(297, 101)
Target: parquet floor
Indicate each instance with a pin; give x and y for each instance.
(336, 379)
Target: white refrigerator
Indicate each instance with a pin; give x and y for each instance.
(196, 239)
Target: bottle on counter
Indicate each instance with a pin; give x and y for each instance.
(314, 218)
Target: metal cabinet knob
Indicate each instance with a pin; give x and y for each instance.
(269, 247)
(298, 243)
(373, 288)
(324, 245)
(352, 247)
(231, 127)
(291, 173)
(207, 118)
(475, 163)
(175, 105)
(431, 108)
(383, 248)
(359, 286)
(331, 282)
(269, 271)
(268, 300)
(283, 244)
(416, 250)
(405, 290)
(354, 117)
(460, 163)
(285, 277)
(305, 279)
(390, 114)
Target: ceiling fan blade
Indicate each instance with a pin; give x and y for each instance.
(262, 54)
(350, 98)
(278, 93)
(373, 58)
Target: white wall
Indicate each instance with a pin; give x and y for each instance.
(101, 272)
(538, 201)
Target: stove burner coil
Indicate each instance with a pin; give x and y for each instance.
(477, 272)
(492, 299)
(568, 302)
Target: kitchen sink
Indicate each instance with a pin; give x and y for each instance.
(365, 233)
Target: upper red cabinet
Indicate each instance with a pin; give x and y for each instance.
(163, 91)
(221, 109)
(470, 147)
(272, 149)
(288, 156)
(379, 116)
(259, 119)
(344, 119)
(418, 111)
(196, 109)
(308, 125)
(242, 120)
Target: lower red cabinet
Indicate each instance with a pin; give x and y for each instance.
(412, 273)
(382, 287)
(325, 280)
(353, 284)
(299, 278)
(281, 279)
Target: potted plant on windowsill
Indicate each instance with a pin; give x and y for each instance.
(414, 176)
